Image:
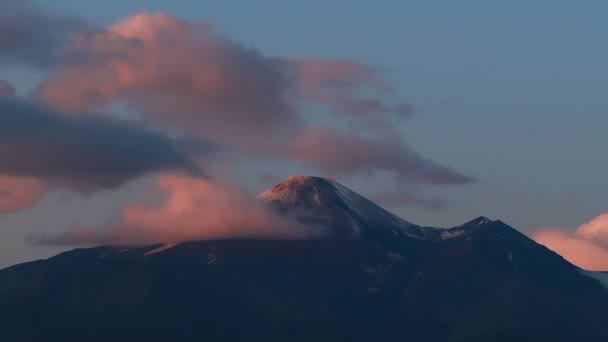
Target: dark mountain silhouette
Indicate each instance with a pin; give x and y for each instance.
(377, 278)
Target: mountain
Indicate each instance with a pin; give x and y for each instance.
(376, 278)
(317, 200)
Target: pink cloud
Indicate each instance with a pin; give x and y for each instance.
(17, 193)
(193, 209)
(338, 84)
(586, 247)
(596, 229)
(187, 78)
(179, 75)
(314, 74)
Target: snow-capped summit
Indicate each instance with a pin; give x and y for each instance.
(298, 189)
(479, 221)
(324, 201)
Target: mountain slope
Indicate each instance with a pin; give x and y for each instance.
(377, 278)
(348, 214)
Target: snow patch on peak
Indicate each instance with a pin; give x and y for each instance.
(469, 228)
(362, 206)
(481, 220)
(450, 234)
(290, 189)
(160, 249)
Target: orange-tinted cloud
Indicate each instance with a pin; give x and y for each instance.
(193, 209)
(17, 193)
(587, 247)
(596, 229)
(187, 78)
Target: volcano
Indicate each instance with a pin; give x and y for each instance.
(317, 200)
(374, 277)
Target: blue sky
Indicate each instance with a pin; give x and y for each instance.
(512, 93)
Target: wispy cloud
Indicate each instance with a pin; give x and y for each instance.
(343, 153)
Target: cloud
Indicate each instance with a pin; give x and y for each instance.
(6, 89)
(84, 152)
(596, 230)
(180, 76)
(587, 247)
(187, 78)
(193, 209)
(586, 254)
(32, 37)
(343, 153)
(338, 84)
(17, 193)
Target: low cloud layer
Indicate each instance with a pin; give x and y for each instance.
(193, 209)
(84, 152)
(587, 247)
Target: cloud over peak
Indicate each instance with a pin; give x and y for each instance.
(179, 82)
(193, 209)
(348, 152)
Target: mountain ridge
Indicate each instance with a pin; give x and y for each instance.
(479, 281)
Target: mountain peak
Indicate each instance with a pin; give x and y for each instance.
(308, 191)
(303, 180)
(324, 201)
(295, 187)
(478, 221)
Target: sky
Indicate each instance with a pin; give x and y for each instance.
(494, 108)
